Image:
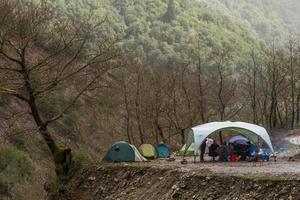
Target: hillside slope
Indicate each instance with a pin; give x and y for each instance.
(268, 19)
(128, 182)
(164, 32)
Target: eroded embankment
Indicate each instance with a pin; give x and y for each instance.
(139, 182)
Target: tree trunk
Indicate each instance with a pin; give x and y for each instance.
(182, 136)
(137, 108)
(201, 95)
(42, 127)
(298, 108)
(161, 134)
(254, 89)
(292, 84)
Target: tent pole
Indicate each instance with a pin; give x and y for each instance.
(220, 137)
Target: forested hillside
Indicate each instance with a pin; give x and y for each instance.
(160, 32)
(163, 32)
(270, 19)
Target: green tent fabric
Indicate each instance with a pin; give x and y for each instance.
(189, 152)
(148, 151)
(123, 152)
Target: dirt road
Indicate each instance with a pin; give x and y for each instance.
(271, 168)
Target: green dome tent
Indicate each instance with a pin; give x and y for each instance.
(189, 151)
(148, 151)
(123, 152)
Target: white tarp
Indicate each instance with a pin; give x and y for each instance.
(199, 133)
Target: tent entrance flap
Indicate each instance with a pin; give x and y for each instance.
(198, 134)
(189, 142)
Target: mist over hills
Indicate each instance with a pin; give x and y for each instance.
(269, 19)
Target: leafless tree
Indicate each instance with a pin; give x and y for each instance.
(40, 54)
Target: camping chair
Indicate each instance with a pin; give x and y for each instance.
(252, 156)
(266, 154)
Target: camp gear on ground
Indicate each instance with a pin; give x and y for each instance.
(241, 150)
(148, 151)
(189, 151)
(223, 153)
(123, 152)
(253, 149)
(233, 157)
(184, 161)
(199, 133)
(162, 150)
(171, 159)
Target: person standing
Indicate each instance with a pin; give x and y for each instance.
(203, 147)
(212, 151)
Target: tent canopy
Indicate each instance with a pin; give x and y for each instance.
(199, 133)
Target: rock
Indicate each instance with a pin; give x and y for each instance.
(182, 185)
(176, 195)
(174, 187)
(99, 168)
(92, 178)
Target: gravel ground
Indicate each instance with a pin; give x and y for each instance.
(271, 168)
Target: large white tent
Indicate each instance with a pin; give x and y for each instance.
(199, 133)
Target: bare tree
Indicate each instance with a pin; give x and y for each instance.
(40, 53)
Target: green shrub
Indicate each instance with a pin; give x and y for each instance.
(79, 160)
(5, 100)
(18, 138)
(15, 166)
(4, 184)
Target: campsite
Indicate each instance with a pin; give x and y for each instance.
(160, 173)
(149, 99)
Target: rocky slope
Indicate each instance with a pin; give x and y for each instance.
(136, 182)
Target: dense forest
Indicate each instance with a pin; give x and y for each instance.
(85, 73)
(270, 20)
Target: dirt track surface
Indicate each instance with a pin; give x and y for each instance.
(162, 180)
(280, 168)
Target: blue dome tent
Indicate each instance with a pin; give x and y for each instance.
(162, 150)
